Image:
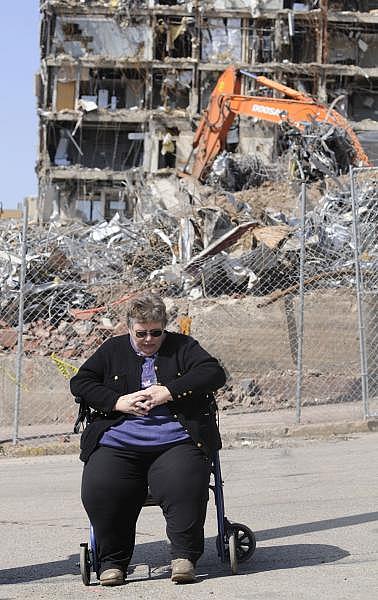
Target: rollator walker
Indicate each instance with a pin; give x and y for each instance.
(235, 542)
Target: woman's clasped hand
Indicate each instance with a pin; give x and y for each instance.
(140, 403)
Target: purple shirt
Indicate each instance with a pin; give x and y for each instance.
(152, 431)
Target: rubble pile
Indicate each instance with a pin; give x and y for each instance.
(329, 230)
(237, 172)
(207, 244)
(277, 389)
(73, 268)
(318, 151)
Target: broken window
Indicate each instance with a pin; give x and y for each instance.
(171, 89)
(353, 44)
(363, 99)
(368, 49)
(173, 37)
(261, 41)
(208, 80)
(303, 43)
(350, 5)
(294, 41)
(357, 97)
(116, 201)
(81, 36)
(114, 88)
(221, 40)
(96, 201)
(49, 82)
(116, 147)
(342, 49)
(90, 207)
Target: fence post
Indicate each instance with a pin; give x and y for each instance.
(301, 307)
(359, 290)
(19, 355)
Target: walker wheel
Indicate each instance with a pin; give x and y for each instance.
(85, 564)
(244, 540)
(232, 549)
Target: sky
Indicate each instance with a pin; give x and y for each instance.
(19, 47)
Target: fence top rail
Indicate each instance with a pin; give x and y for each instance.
(374, 168)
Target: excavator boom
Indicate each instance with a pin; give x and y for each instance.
(226, 102)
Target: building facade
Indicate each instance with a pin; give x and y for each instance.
(122, 84)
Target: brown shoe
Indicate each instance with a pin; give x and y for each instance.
(182, 571)
(112, 577)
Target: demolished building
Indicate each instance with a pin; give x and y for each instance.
(122, 84)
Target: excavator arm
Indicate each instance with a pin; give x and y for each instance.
(226, 102)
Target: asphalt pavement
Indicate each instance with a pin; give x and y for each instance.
(311, 503)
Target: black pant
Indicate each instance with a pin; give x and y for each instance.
(114, 489)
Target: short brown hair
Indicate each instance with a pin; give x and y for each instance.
(146, 307)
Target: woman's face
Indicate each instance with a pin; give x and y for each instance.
(147, 337)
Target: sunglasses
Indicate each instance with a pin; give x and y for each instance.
(155, 333)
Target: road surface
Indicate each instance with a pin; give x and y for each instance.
(312, 505)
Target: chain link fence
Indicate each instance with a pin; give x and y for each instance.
(289, 307)
(365, 209)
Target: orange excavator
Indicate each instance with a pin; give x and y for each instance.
(226, 102)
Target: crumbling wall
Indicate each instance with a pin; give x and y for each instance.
(95, 35)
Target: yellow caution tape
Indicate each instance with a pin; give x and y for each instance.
(65, 368)
(13, 378)
(185, 324)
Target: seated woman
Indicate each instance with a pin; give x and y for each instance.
(154, 426)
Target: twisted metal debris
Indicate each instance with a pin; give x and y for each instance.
(78, 275)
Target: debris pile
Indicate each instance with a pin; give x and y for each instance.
(321, 150)
(191, 242)
(277, 389)
(237, 172)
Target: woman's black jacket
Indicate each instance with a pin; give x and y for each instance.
(186, 369)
